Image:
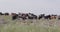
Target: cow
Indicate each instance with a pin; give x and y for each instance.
(32, 16)
(50, 17)
(59, 17)
(47, 17)
(14, 16)
(41, 16)
(1, 13)
(6, 14)
(53, 16)
(23, 16)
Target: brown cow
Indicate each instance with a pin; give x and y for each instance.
(53, 16)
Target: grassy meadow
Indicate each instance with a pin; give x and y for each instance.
(8, 25)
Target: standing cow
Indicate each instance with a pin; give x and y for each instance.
(59, 17)
(24, 16)
(41, 16)
(14, 16)
(53, 16)
(31, 16)
(6, 14)
(47, 17)
(1, 13)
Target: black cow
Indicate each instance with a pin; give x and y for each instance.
(14, 16)
(31, 16)
(47, 17)
(1, 13)
(6, 14)
(41, 16)
(59, 17)
(23, 16)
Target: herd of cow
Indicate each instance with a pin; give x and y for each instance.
(25, 16)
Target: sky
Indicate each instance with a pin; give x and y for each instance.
(33, 6)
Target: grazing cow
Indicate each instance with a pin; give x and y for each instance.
(14, 16)
(41, 16)
(59, 17)
(6, 14)
(53, 16)
(47, 17)
(23, 16)
(31, 16)
(1, 13)
(19, 16)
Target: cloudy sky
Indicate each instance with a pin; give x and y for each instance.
(33, 6)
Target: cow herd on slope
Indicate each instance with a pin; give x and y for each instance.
(25, 16)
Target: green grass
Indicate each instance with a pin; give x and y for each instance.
(22, 28)
(17, 26)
